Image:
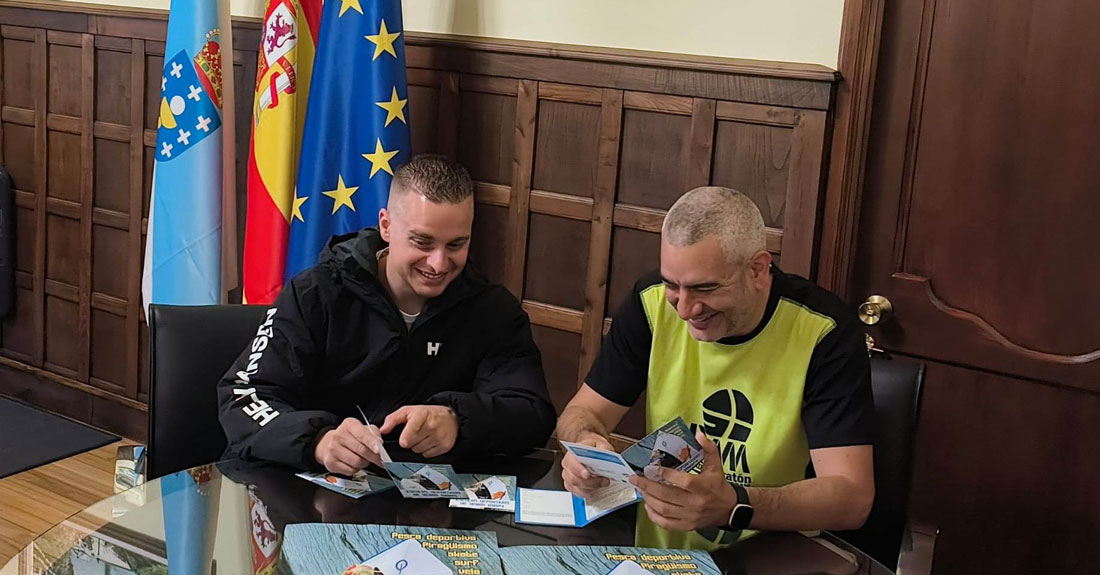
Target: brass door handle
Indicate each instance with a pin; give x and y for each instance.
(876, 309)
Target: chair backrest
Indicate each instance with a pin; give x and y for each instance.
(896, 385)
(190, 348)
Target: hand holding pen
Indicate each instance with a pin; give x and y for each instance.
(350, 447)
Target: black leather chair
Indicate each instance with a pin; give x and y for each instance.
(888, 535)
(190, 348)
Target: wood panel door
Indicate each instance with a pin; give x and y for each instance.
(979, 224)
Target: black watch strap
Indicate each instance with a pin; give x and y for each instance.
(742, 512)
(742, 494)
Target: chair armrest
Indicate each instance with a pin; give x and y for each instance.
(917, 549)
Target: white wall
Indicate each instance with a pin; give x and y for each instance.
(785, 30)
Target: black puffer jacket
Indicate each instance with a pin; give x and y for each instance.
(334, 339)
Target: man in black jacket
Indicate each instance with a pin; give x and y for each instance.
(392, 321)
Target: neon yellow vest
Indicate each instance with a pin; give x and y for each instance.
(746, 397)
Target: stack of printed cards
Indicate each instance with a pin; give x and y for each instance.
(672, 446)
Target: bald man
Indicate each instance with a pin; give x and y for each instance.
(768, 369)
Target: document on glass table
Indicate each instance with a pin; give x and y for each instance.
(563, 509)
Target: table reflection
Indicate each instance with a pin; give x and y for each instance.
(229, 517)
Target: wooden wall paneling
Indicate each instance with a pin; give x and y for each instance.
(793, 85)
(557, 257)
(136, 367)
(568, 135)
(109, 354)
(803, 194)
(489, 234)
(755, 159)
(111, 183)
(62, 340)
(599, 247)
(450, 107)
(486, 132)
(561, 205)
(559, 361)
(700, 143)
(860, 36)
(423, 109)
(87, 166)
(523, 165)
(557, 317)
(38, 355)
(634, 253)
(652, 159)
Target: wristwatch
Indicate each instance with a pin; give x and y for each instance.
(741, 516)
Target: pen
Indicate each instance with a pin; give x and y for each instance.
(381, 448)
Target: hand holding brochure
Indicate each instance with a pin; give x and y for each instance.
(672, 446)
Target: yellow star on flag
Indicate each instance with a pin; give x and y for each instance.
(353, 4)
(380, 159)
(395, 108)
(296, 211)
(383, 41)
(342, 195)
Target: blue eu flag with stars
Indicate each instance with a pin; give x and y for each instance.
(356, 132)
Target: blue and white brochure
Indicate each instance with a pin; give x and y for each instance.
(601, 461)
(563, 509)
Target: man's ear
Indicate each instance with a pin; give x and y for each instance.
(760, 264)
(384, 224)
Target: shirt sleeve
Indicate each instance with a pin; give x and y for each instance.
(837, 406)
(621, 368)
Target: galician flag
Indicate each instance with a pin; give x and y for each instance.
(190, 251)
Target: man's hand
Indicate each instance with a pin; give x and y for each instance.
(576, 476)
(348, 448)
(686, 502)
(430, 430)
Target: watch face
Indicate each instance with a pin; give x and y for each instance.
(742, 516)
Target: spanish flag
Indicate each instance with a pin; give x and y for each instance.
(285, 66)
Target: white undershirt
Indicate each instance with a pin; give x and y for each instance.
(409, 318)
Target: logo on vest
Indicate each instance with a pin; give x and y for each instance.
(433, 347)
(727, 420)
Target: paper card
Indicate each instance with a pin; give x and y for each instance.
(406, 558)
(333, 549)
(489, 492)
(563, 509)
(671, 446)
(629, 567)
(601, 461)
(356, 486)
(426, 481)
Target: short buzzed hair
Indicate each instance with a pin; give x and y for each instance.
(723, 213)
(437, 178)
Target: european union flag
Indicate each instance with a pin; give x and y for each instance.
(356, 131)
